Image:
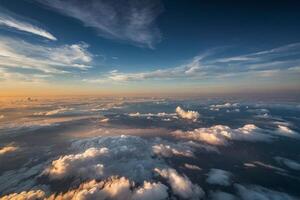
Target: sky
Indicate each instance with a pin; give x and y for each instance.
(109, 47)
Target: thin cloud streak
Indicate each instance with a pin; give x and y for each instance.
(129, 21)
(18, 54)
(14, 21)
(266, 63)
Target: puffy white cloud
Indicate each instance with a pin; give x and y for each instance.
(25, 195)
(118, 188)
(181, 184)
(219, 177)
(130, 21)
(14, 21)
(151, 191)
(260, 193)
(166, 150)
(220, 134)
(128, 156)
(192, 115)
(8, 149)
(288, 162)
(113, 188)
(83, 164)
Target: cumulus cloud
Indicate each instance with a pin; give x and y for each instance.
(220, 134)
(82, 164)
(16, 53)
(260, 193)
(219, 177)
(294, 165)
(181, 184)
(14, 21)
(8, 149)
(113, 188)
(26, 195)
(118, 188)
(128, 156)
(151, 191)
(191, 115)
(130, 21)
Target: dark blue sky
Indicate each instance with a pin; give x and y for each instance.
(139, 44)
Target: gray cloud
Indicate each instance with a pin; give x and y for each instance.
(219, 177)
(181, 184)
(260, 193)
(292, 164)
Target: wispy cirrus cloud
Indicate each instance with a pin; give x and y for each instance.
(130, 21)
(265, 64)
(19, 54)
(13, 21)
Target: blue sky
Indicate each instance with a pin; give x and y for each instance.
(99, 46)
